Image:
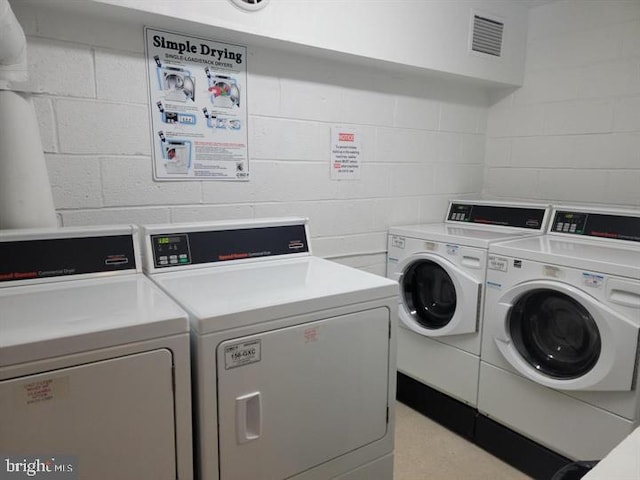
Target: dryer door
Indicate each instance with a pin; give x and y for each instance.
(438, 298)
(294, 398)
(561, 337)
(114, 417)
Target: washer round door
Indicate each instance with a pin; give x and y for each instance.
(554, 334)
(559, 336)
(437, 298)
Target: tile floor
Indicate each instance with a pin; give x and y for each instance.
(427, 451)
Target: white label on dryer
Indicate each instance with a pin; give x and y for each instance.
(397, 242)
(592, 280)
(498, 263)
(242, 354)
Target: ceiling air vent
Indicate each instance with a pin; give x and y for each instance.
(250, 4)
(487, 35)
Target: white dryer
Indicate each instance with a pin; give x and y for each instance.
(560, 342)
(94, 360)
(294, 356)
(441, 270)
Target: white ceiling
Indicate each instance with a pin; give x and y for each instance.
(537, 3)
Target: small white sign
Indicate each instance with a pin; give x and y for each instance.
(346, 149)
(592, 280)
(241, 354)
(498, 263)
(397, 242)
(452, 249)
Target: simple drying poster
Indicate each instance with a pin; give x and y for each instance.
(198, 107)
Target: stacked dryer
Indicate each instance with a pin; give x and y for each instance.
(560, 342)
(441, 270)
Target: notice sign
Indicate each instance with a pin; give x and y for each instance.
(198, 107)
(345, 154)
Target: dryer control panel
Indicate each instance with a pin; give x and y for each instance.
(56, 253)
(612, 226)
(174, 249)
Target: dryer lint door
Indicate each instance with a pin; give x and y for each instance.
(294, 398)
(559, 336)
(437, 297)
(114, 418)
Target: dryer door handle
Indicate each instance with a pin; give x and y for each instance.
(248, 417)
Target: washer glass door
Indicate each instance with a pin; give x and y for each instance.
(554, 333)
(429, 294)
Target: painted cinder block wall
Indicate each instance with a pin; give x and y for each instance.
(572, 132)
(423, 140)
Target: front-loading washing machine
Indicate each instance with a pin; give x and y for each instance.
(559, 363)
(293, 355)
(94, 360)
(441, 270)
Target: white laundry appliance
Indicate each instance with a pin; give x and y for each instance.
(293, 355)
(559, 363)
(94, 360)
(441, 270)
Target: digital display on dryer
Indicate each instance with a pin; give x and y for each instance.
(170, 250)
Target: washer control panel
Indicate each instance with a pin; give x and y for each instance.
(613, 226)
(529, 217)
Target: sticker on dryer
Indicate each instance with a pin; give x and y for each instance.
(311, 335)
(397, 242)
(498, 263)
(241, 354)
(43, 390)
(452, 249)
(592, 280)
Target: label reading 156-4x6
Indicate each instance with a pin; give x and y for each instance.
(242, 353)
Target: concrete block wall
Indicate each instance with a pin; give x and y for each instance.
(572, 132)
(423, 140)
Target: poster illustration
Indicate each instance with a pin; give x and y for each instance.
(198, 107)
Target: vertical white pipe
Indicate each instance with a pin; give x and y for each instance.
(25, 192)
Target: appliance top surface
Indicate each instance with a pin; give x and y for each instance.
(228, 296)
(596, 255)
(461, 235)
(47, 320)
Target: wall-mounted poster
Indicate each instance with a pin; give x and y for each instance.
(198, 107)
(346, 149)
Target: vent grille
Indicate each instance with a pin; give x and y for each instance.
(250, 4)
(487, 36)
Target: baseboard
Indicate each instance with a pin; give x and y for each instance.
(448, 412)
(518, 451)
